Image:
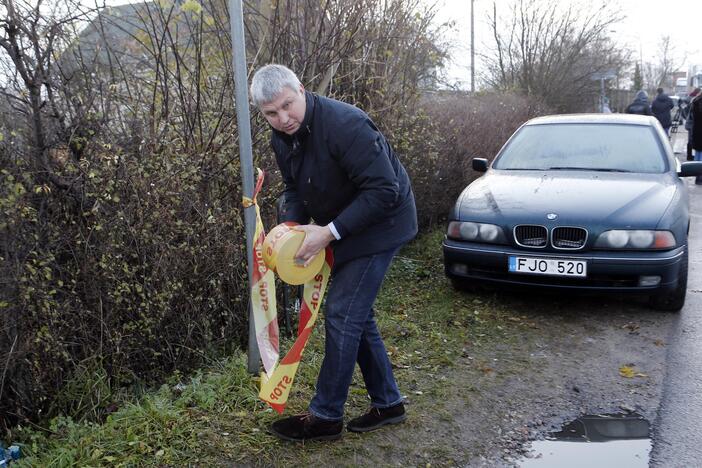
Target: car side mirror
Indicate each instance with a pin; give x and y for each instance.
(480, 164)
(687, 169)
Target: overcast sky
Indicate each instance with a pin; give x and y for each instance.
(645, 23)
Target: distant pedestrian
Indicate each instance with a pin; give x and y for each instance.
(688, 121)
(661, 107)
(640, 105)
(696, 118)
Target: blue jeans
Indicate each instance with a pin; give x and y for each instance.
(698, 157)
(352, 336)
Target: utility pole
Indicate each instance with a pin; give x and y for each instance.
(472, 47)
(243, 122)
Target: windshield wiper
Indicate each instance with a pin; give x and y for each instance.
(598, 169)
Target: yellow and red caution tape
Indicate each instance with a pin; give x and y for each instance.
(263, 292)
(275, 252)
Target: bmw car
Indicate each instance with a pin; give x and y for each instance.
(589, 202)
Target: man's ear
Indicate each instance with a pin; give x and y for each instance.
(302, 89)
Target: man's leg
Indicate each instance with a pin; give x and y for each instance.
(376, 368)
(386, 400)
(354, 287)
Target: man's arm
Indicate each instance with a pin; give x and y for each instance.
(365, 159)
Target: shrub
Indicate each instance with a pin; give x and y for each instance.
(438, 139)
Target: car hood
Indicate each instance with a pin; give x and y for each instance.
(615, 199)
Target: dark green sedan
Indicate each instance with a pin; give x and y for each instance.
(589, 202)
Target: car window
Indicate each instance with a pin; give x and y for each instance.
(602, 147)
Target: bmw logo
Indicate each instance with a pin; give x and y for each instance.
(551, 216)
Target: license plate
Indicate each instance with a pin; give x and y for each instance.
(547, 266)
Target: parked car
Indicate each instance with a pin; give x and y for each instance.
(591, 202)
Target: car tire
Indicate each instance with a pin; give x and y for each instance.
(674, 300)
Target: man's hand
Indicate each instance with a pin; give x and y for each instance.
(316, 239)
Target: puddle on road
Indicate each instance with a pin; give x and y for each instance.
(620, 440)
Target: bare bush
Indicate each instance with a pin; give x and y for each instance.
(445, 133)
(122, 242)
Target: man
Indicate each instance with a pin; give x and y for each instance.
(640, 104)
(340, 171)
(696, 130)
(688, 121)
(661, 107)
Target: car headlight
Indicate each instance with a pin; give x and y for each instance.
(635, 239)
(476, 232)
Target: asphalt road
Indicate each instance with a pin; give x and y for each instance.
(677, 436)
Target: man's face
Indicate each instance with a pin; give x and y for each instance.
(286, 111)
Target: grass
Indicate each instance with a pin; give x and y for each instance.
(214, 417)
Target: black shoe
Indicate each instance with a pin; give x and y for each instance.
(304, 427)
(377, 418)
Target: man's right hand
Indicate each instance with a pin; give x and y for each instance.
(316, 239)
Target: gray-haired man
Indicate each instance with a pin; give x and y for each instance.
(340, 171)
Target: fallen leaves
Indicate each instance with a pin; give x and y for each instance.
(628, 371)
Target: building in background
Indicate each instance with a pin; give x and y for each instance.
(695, 75)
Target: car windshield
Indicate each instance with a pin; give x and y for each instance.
(586, 147)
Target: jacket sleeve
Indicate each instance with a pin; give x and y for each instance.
(292, 208)
(364, 156)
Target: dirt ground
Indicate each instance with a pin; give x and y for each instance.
(562, 360)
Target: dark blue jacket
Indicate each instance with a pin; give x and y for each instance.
(661, 107)
(339, 167)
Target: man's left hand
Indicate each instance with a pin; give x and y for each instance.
(316, 239)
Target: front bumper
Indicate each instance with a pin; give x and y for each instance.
(606, 270)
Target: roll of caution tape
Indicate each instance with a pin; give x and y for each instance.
(279, 249)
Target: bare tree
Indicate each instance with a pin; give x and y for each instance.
(549, 50)
(659, 73)
(31, 35)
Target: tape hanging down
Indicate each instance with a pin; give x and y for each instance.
(276, 388)
(263, 300)
(275, 252)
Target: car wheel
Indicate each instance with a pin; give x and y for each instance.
(674, 300)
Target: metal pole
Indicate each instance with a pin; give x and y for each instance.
(241, 100)
(602, 94)
(472, 48)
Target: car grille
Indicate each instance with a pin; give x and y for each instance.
(528, 235)
(568, 238)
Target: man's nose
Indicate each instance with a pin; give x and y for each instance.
(284, 117)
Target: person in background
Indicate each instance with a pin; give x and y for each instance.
(661, 107)
(339, 170)
(640, 104)
(688, 122)
(696, 136)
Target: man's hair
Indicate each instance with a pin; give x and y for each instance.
(268, 82)
(659, 90)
